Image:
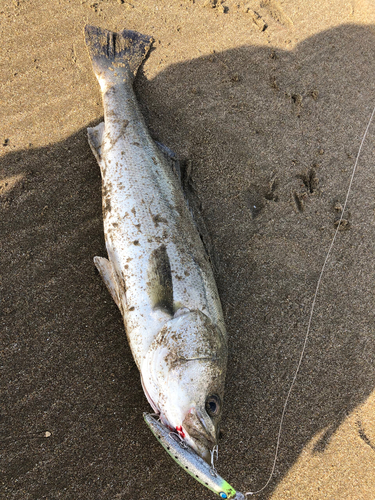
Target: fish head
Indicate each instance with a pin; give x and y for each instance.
(183, 376)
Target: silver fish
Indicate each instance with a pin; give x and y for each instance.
(157, 270)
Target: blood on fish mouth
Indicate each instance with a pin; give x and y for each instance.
(180, 431)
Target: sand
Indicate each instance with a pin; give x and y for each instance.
(268, 104)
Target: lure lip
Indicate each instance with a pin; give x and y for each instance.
(190, 461)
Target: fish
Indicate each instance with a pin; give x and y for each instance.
(157, 269)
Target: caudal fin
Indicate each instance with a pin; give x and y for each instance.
(116, 52)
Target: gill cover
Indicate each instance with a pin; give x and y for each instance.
(185, 363)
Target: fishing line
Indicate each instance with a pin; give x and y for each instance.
(312, 311)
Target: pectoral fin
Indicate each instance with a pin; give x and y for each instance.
(106, 272)
(160, 280)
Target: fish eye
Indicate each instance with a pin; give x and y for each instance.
(213, 405)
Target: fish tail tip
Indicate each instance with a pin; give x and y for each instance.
(121, 51)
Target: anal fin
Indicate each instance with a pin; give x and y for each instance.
(106, 272)
(95, 138)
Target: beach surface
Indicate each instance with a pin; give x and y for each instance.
(265, 103)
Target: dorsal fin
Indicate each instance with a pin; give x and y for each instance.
(195, 207)
(183, 171)
(171, 158)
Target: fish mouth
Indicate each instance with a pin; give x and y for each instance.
(200, 433)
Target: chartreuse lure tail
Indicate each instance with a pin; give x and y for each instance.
(191, 462)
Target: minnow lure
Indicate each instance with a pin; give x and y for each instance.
(192, 463)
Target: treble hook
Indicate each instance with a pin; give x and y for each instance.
(179, 439)
(214, 451)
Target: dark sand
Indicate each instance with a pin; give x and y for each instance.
(271, 119)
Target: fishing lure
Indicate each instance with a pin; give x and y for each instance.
(192, 463)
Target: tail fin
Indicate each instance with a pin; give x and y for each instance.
(107, 49)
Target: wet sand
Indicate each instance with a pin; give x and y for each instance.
(268, 107)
